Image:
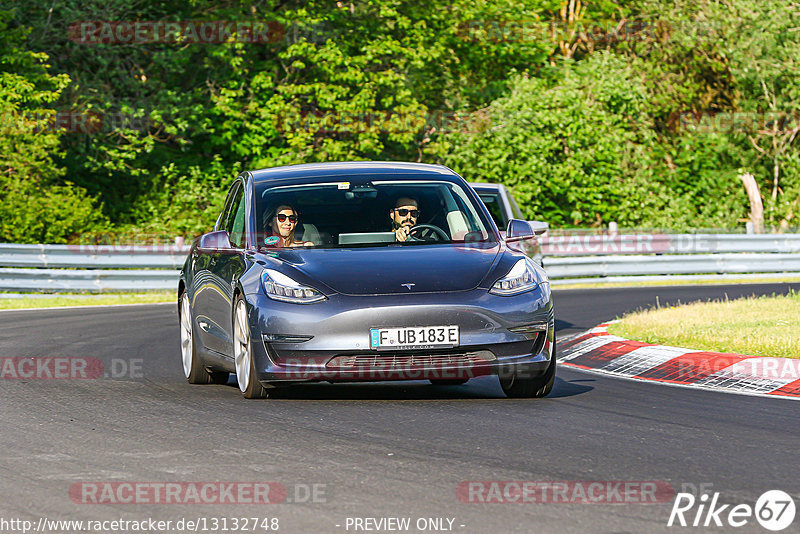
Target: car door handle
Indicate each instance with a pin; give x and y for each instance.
(203, 326)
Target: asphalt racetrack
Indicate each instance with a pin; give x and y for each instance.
(371, 452)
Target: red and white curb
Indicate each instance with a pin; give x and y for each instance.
(599, 351)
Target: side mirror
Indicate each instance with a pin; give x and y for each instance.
(519, 230)
(215, 242)
(539, 227)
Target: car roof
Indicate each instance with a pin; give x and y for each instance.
(322, 171)
(486, 186)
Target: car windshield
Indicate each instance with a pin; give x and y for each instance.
(365, 213)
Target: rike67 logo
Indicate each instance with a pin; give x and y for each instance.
(774, 510)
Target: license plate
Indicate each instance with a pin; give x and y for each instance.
(414, 337)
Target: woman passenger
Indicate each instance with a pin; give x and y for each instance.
(282, 224)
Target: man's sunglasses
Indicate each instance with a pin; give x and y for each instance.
(282, 218)
(402, 212)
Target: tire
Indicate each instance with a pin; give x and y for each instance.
(519, 387)
(193, 368)
(448, 382)
(249, 385)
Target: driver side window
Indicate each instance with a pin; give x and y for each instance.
(234, 224)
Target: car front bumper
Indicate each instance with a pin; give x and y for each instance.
(330, 340)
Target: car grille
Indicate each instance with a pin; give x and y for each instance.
(395, 361)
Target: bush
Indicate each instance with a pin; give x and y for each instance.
(54, 214)
(581, 149)
(36, 204)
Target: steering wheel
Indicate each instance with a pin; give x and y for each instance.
(431, 231)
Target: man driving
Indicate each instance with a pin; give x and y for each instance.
(404, 216)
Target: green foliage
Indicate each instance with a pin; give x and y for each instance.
(577, 150)
(55, 214)
(36, 204)
(339, 81)
(587, 126)
(760, 39)
(187, 202)
(575, 156)
(734, 66)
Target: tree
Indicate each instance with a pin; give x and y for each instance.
(36, 204)
(562, 145)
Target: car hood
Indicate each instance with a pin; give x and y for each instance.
(374, 271)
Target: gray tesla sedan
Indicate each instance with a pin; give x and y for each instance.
(363, 271)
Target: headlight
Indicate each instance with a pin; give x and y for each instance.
(278, 286)
(523, 276)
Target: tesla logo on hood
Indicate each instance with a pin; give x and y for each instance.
(408, 286)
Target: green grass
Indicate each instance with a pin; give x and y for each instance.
(86, 300)
(756, 326)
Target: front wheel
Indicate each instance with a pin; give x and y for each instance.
(519, 386)
(249, 385)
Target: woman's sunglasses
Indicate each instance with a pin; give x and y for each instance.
(282, 218)
(402, 212)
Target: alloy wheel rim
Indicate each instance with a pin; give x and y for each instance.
(186, 336)
(241, 342)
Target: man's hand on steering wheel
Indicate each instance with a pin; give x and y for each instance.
(425, 231)
(402, 233)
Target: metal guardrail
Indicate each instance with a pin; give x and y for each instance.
(576, 244)
(576, 258)
(572, 258)
(94, 280)
(94, 268)
(93, 256)
(728, 263)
